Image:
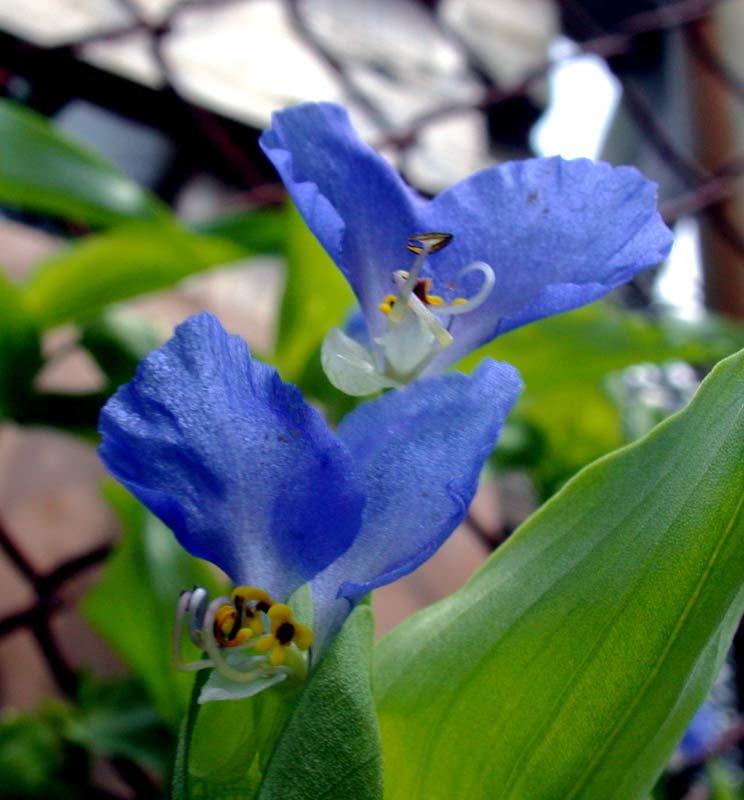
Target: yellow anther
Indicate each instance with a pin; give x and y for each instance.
(278, 651)
(236, 623)
(224, 619)
(251, 602)
(303, 637)
(279, 613)
(284, 631)
(242, 636)
(386, 306)
(252, 594)
(434, 300)
(459, 301)
(226, 628)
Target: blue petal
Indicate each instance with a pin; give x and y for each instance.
(701, 733)
(558, 235)
(243, 471)
(354, 202)
(420, 452)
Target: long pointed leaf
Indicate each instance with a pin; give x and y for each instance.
(571, 663)
(43, 170)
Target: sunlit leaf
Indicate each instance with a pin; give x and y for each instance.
(20, 356)
(572, 662)
(76, 284)
(43, 170)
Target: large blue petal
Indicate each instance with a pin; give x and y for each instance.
(244, 472)
(420, 451)
(558, 235)
(354, 202)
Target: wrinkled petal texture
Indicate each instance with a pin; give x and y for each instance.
(420, 451)
(354, 202)
(244, 472)
(558, 234)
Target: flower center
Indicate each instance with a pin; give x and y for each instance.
(248, 620)
(414, 333)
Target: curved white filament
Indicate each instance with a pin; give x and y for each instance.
(489, 280)
(186, 606)
(198, 598)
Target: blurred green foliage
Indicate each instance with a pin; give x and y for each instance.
(42, 170)
(52, 753)
(133, 604)
(20, 350)
(78, 283)
(566, 417)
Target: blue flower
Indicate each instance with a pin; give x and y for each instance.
(249, 477)
(508, 245)
(701, 733)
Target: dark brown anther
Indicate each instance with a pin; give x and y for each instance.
(285, 633)
(429, 242)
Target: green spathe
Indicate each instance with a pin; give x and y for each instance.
(582, 648)
(319, 742)
(330, 747)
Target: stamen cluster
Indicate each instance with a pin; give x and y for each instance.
(247, 620)
(417, 328)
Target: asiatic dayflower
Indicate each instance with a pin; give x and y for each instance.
(509, 245)
(251, 478)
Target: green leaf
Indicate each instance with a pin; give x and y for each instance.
(572, 662)
(570, 355)
(42, 170)
(180, 787)
(134, 603)
(31, 752)
(316, 298)
(76, 285)
(231, 742)
(115, 719)
(287, 743)
(20, 355)
(330, 747)
(722, 781)
(259, 230)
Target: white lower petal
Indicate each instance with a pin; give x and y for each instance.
(350, 367)
(218, 687)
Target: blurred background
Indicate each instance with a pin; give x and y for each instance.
(133, 193)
